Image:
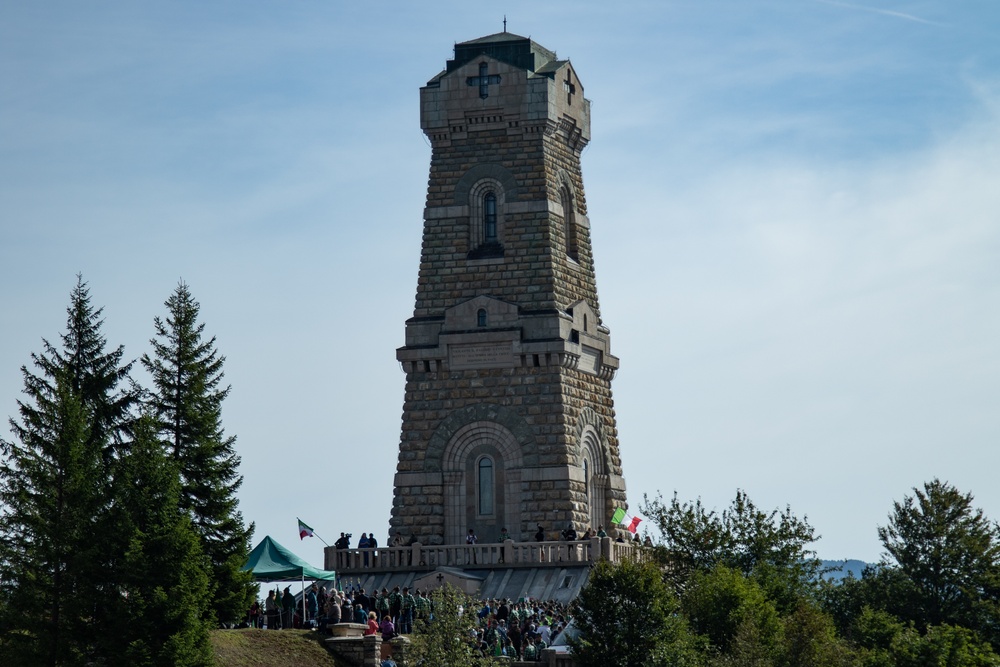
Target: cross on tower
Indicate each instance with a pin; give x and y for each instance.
(569, 87)
(483, 81)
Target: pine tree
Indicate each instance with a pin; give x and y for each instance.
(53, 490)
(155, 614)
(187, 399)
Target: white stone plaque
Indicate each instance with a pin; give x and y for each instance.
(590, 360)
(480, 355)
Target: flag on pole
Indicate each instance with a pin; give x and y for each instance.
(623, 518)
(305, 531)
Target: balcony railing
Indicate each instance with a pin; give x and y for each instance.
(482, 556)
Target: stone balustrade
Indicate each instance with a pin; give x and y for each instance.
(512, 554)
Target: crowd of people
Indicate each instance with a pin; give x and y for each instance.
(518, 630)
(503, 627)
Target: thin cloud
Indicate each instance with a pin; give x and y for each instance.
(874, 10)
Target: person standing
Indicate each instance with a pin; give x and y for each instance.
(395, 604)
(271, 611)
(471, 540)
(312, 604)
(364, 544)
(540, 537)
(407, 603)
(287, 608)
(504, 536)
(422, 608)
(333, 610)
(382, 603)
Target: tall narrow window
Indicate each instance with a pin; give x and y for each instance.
(586, 478)
(569, 222)
(481, 317)
(490, 218)
(485, 486)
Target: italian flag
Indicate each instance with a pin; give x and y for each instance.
(631, 523)
(305, 531)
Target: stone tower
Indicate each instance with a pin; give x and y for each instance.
(508, 419)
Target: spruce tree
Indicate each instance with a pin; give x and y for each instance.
(96, 376)
(53, 490)
(50, 504)
(155, 613)
(187, 399)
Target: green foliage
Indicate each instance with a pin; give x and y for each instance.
(187, 399)
(448, 640)
(53, 491)
(155, 615)
(810, 640)
(773, 547)
(628, 616)
(50, 502)
(950, 553)
(887, 642)
(96, 376)
(934, 601)
(725, 605)
(948, 646)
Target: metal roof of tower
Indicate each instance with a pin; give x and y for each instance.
(505, 47)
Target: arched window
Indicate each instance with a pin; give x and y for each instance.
(486, 219)
(490, 217)
(481, 317)
(484, 479)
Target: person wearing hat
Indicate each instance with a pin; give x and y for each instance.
(407, 603)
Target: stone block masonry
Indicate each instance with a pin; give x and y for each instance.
(508, 416)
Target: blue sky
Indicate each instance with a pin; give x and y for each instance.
(794, 209)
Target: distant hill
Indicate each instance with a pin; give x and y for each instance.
(841, 568)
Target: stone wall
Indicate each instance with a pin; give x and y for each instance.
(506, 357)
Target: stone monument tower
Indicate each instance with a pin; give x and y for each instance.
(508, 419)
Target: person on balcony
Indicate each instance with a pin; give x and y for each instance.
(364, 543)
(471, 540)
(504, 536)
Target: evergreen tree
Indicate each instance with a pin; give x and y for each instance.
(950, 552)
(53, 489)
(96, 376)
(155, 613)
(47, 487)
(187, 398)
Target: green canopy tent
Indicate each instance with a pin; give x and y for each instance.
(269, 561)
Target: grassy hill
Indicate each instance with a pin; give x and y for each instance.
(270, 648)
